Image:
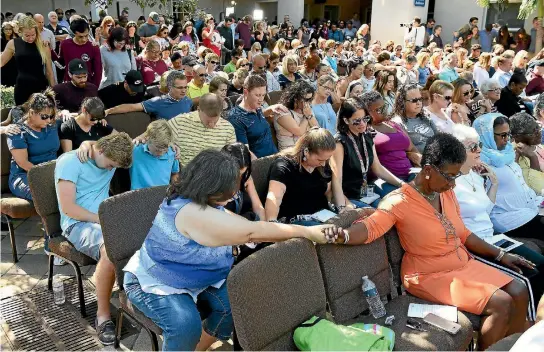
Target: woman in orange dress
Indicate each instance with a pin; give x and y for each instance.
(438, 265)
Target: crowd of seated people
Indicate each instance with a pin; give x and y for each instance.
(459, 155)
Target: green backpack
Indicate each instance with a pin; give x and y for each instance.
(317, 334)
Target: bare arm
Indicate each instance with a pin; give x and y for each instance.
(8, 53)
(66, 145)
(124, 108)
(49, 69)
(336, 162)
(67, 203)
(380, 171)
(276, 191)
(256, 204)
(212, 227)
(61, 37)
(21, 158)
(287, 122)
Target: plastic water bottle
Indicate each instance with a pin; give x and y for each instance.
(58, 291)
(373, 298)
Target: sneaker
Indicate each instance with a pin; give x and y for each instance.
(106, 332)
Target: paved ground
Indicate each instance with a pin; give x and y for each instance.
(25, 303)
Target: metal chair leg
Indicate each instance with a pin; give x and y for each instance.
(154, 340)
(79, 288)
(12, 239)
(50, 275)
(118, 326)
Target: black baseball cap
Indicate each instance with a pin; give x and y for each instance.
(77, 67)
(135, 81)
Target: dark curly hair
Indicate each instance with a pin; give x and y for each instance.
(400, 101)
(349, 107)
(295, 92)
(443, 149)
(118, 34)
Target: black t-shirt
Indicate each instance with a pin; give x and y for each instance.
(509, 104)
(70, 97)
(352, 174)
(115, 94)
(233, 91)
(305, 192)
(71, 130)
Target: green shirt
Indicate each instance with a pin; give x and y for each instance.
(230, 67)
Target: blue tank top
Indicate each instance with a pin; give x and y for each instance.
(178, 261)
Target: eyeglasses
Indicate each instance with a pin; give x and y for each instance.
(119, 43)
(360, 121)
(244, 65)
(447, 177)
(474, 147)
(93, 119)
(214, 62)
(415, 100)
(46, 117)
(381, 110)
(504, 135)
(109, 25)
(445, 97)
(466, 94)
(496, 90)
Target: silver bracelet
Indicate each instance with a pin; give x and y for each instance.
(500, 255)
(346, 236)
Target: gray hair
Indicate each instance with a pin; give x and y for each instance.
(488, 85)
(464, 133)
(369, 98)
(172, 77)
(539, 105)
(522, 123)
(50, 14)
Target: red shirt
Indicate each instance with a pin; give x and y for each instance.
(149, 68)
(535, 86)
(208, 42)
(86, 52)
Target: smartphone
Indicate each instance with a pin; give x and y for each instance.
(504, 243)
(442, 323)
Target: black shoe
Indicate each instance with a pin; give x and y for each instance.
(5, 226)
(106, 332)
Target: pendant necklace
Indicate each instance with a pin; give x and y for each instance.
(473, 184)
(428, 197)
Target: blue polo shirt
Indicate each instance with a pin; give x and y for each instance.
(148, 170)
(448, 74)
(92, 183)
(252, 128)
(165, 107)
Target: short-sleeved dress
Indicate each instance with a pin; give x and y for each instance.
(435, 267)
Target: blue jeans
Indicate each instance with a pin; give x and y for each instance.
(18, 185)
(358, 204)
(178, 316)
(307, 222)
(86, 237)
(383, 188)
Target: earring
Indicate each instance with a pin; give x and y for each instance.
(427, 177)
(304, 157)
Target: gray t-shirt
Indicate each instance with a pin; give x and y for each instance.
(148, 30)
(419, 129)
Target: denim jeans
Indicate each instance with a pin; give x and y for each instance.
(383, 188)
(178, 316)
(307, 222)
(18, 185)
(358, 204)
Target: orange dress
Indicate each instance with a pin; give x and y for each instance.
(435, 267)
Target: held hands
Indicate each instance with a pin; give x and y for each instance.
(515, 261)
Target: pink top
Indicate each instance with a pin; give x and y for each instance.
(391, 149)
(150, 68)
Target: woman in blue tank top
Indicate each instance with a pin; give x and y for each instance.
(188, 252)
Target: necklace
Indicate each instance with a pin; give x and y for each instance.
(364, 168)
(428, 197)
(473, 184)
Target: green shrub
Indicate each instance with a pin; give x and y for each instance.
(8, 98)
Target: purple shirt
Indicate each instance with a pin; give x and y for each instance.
(245, 34)
(391, 149)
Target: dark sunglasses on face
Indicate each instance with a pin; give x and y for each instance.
(474, 147)
(466, 94)
(415, 100)
(244, 65)
(214, 62)
(203, 75)
(446, 97)
(360, 121)
(447, 177)
(93, 119)
(504, 135)
(46, 117)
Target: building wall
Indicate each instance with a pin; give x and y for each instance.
(388, 15)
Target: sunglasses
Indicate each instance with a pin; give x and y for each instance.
(360, 121)
(203, 75)
(214, 62)
(415, 100)
(474, 147)
(109, 25)
(447, 177)
(46, 117)
(93, 119)
(445, 97)
(244, 65)
(466, 94)
(504, 135)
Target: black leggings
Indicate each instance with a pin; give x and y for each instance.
(532, 229)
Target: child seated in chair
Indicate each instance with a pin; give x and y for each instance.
(154, 162)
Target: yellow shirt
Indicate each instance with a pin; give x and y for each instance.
(533, 178)
(192, 137)
(194, 92)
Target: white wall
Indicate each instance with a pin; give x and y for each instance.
(386, 18)
(451, 18)
(293, 8)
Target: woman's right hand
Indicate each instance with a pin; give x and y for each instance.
(84, 152)
(332, 234)
(10, 130)
(489, 173)
(307, 109)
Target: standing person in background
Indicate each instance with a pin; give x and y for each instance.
(62, 21)
(117, 60)
(486, 37)
(79, 47)
(210, 36)
(33, 59)
(364, 34)
(60, 32)
(435, 37)
(226, 33)
(102, 33)
(174, 34)
(505, 39)
(149, 28)
(534, 28)
(134, 42)
(464, 31)
(303, 33)
(429, 27)
(415, 34)
(522, 39)
(9, 71)
(350, 31)
(188, 35)
(48, 39)
(355, 21)
(244, 31)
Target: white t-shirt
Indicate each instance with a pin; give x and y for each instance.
(531, 340)
(445, 126)
(475, 205)
(368, 84)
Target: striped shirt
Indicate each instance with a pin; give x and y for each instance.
(192, 137)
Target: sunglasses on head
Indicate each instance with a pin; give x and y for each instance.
(360, 121)
(415, 100)
(473, 147)
(447, 177)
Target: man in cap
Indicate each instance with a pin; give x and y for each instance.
(149, 28)
(129, 91)
(71, 94)
(187, 64)
(166, 106)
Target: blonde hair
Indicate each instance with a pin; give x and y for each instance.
(485, 61)
(159, 134)
(105, 21)
(422, 57)
(280, 45)
(312, 142)
(28, 22)
(434, 57)
(461, 57)
(211, 56)
(439, 87)
(519, 56)
(241, 61)
(118, 148)
(468, 66)
(163, 84)
(286, 61)
(184, 45)
(256, 46)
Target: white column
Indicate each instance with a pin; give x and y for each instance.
(388, 15)
(293, 8)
